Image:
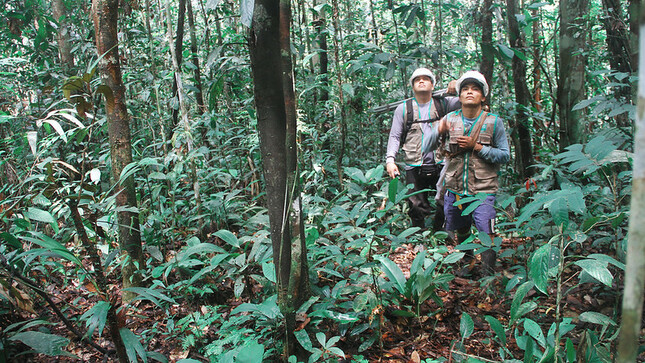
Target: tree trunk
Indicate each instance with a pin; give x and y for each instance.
(521, 131)
(105, 15)
(193, 49)
(62, 37)
(275, 104)
(488, 52)
(322, 61)
(630, 326)
(342, 125)
(619, 53)
(571, 83)
(179, 49)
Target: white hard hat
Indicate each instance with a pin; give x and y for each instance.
(422, 72)
(473, 76)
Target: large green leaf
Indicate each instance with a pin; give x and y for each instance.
(133, 346)
(466, 326)
(394, 273)
(251, 352)
(540, 267)
(43, 343)
(597, 269)
(596, 318)
(497, 328)
(228, 237)
(535, 331)
(517, 300)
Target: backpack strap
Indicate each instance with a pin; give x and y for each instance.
(440, 106)
(408, 121)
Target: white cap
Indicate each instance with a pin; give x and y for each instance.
(473, 76)
(422, 72)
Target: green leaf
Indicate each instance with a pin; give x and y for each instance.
(559, 212)
(454, 257)
(535, 331)
(596, 318)
(597, 269)
(43, 343)
(268, 270)
(571, 351)
(304, 340)
(148, 293)
(505, 50)
(251, 352)
(393, 273)
(228, 237)
(517, 300)
(497, 328)
(97, 316)
(466, 326)
(356, 174)
(53, 246)
(39, 215)
(392, 189)
(540, 267)
(133, 346)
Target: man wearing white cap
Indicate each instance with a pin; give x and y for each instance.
(411, 122)
(476, 147)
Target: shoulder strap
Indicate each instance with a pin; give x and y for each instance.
(478, 126)
(440, 106)
(408, 120)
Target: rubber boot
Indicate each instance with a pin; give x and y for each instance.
(489, 258)
(468, 261)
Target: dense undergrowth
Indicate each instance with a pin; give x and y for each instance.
(209, 275)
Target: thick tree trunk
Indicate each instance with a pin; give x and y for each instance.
(275, 103)
(630, 326)
(619, 53)
(571, 83)
(521, 129)
(193, 49)
(62, 37)
(105, 15)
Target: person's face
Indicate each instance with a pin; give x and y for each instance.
(422, 84)
(471, 94)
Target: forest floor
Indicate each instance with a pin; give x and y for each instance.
(437, 335)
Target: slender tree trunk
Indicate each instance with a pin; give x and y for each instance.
(275, 104)
(62, 36)
(193, 49)
(618, 45)
(630, 326)
(342, 126)
(374, 26)
(179, 49)
(521, 131)
(571, 84)
(488, 52)
(322, 62)
(105, 15)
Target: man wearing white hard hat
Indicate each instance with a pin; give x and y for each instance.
(413, 120)
(475, 145)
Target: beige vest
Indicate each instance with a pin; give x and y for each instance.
(413, 146)
(468, 173)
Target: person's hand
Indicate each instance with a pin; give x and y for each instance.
(452, 88)
(468, 143)
(392, 170)
(442, 126)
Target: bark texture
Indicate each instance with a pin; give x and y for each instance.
(269, 46)
(62, 36)
(521, 133)
(571, 84)
(105, 15)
